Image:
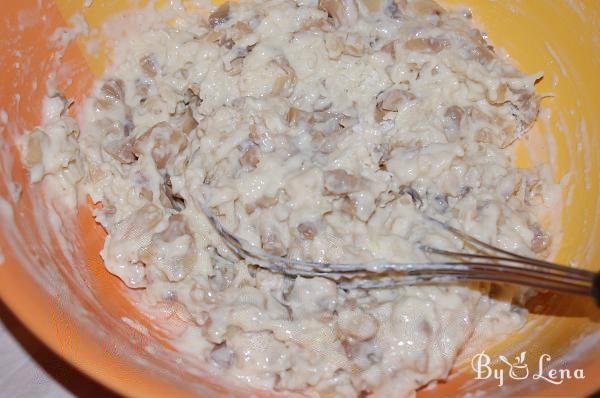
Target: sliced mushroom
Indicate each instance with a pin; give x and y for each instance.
(251, 157)
(429, 45)
(358, 205)
(308, 230)
(111, 93)
(529, 105)
(357, 324)
(391, 101)
(234, 67)
(296, 116)
(426, 8)
(541, 241)
(484, 136)
(373, 5)
(265, 202)
(396, 8)
(347, 121)
(317, 23)
(353, 45)
(271, 243)
(534, 192)
(342, 12)
(390, 48)
(168, 198)
(149, 65)
(242, 27)
(121, 150)
(482, 54)
(499, 95)
(162, 142)
(285, 83)
(334, 44)
(414, 195)
(142, 89)
(452, 122)
(220, 15)
(188, 123)
(478, 48)
(340, 182)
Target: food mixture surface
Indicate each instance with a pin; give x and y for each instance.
(321, 131)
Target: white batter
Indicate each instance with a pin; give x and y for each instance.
(320, 131)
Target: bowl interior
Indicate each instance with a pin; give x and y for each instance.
(53, 278)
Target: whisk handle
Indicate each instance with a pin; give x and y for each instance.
(596, 288)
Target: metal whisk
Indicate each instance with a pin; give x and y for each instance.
(485, 263)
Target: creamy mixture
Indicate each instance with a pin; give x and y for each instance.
(321, 131)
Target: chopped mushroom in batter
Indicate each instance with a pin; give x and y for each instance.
(316, 130)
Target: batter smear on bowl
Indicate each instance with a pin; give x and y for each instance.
(320, 131)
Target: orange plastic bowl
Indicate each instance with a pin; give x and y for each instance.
(56, 284)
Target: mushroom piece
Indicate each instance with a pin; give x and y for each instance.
(499, 95)
(149, 65)
(343, 12)
(479, 49)
(396, 8)
(162, 142)
(357, 324)
(271, 243)
(234, 67)
(233, 61)
(308, 230)
(220, 15)
(168, 198)
(482, 53)
(265, 202)
(242, 27)
(142, 89)
(391, 101)
(188, 122)
(390, 48)
(452, 121)
(121, 150)
(528, 104)
(296, 116)
(340, 182)
(251, 157)
(353, 45)
(541, 241)
(414, 195)
(111, 93)
(534, 193)
(425, 8)
(429, 45)
(358, 205)
(285, 83)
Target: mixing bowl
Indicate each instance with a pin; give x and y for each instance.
(52, 277)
